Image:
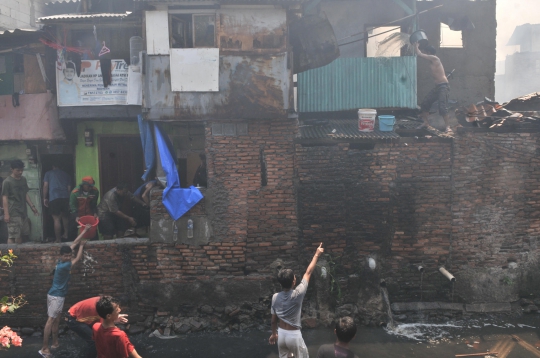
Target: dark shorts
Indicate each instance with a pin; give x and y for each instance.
(109, 224)
(59, 207)
(439, 93)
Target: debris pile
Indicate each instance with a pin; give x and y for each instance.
(491, 115)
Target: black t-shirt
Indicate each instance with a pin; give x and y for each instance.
(333, 351)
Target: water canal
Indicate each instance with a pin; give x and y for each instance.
(407, 340)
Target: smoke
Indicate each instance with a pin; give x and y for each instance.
(512, 13)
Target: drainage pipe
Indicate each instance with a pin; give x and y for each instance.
(421, 268)
(382, 283)
(447, 274)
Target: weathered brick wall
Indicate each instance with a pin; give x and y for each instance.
(470, 205)
(391, 203)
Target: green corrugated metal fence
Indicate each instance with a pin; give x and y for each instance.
(360, 82)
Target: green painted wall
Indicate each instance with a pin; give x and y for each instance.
(87, 158)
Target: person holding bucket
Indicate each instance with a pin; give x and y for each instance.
(57, 294)
(440, 92)
(83, 202)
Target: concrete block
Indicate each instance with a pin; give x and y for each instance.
(488, 307)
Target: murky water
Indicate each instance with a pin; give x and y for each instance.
(407, 340)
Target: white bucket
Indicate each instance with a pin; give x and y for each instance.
(366, 119)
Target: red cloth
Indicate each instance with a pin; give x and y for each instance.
(85, 311)
(111, 342)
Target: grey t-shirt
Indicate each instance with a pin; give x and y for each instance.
(287, 305)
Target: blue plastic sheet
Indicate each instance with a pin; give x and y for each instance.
(176, 200)
(147, 139)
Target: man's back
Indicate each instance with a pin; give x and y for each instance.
(334, 351)
(59, 182)
(287, 305)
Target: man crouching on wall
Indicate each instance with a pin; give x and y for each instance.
(287, 307)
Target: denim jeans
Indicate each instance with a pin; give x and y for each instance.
(85, 332)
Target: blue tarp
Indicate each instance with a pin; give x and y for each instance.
(176, 200)
(147, 139)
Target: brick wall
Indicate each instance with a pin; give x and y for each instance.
(470, 205)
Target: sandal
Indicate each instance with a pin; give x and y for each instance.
(45, 355)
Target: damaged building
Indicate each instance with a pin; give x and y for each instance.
(286, 165)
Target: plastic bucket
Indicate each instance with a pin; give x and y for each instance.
(366, 119)
(85, 220)
(386, 123)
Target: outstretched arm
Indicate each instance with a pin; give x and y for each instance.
(311, 266)
(134, 354)
(79, 254)
(79, 238)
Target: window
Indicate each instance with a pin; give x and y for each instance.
(188, 140)
(450, 38)
(389, 37)
(192, 30)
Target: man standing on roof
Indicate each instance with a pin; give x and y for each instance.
(83, 201)
(440, 92)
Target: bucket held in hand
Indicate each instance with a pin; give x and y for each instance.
(88, 220)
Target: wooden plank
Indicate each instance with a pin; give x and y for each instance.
(33, 78)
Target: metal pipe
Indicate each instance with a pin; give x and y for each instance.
(421, 268)
(447, 274)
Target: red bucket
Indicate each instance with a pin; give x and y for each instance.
(86, 220)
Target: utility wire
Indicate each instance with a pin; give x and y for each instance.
(388, 23)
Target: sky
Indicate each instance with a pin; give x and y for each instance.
(511, 13)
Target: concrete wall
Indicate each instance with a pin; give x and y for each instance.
(20, 14)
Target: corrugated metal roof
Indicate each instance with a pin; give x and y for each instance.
(341, 129)
(17, 32)
(83, 16)
(229, 1)
(359, 82)
(60, 1)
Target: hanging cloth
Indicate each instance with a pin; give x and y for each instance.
(176, 200)
(147, 139)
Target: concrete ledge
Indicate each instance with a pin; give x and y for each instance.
(447, 306)
(425, 306)
(488, 307)
(122, 241)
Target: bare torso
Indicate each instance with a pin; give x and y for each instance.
(437, 70)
